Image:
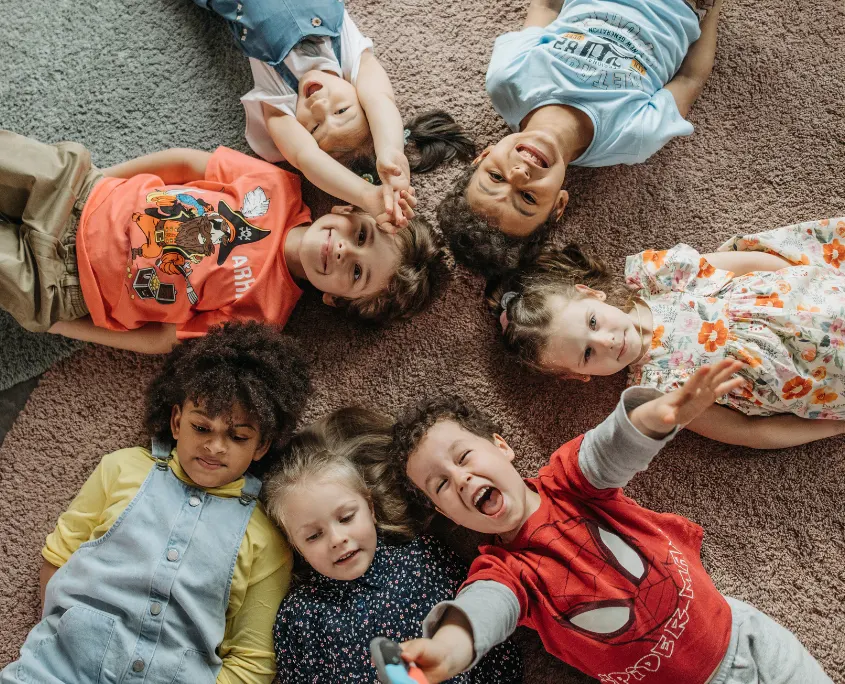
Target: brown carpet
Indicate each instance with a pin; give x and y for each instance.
(769, 150)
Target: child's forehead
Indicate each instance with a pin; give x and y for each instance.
(446, 435)
(232, 413)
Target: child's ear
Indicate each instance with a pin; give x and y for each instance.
(503, 446)
(175, 421)
(342, 209)
(480, 157)
(568, 375)
(328, 299)
(590, 292)
(560, 204)
(262, 450)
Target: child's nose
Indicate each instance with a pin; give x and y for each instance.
(318, 109)
(215, 445)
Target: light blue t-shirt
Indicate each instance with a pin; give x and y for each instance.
(610, 59)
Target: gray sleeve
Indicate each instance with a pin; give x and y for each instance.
(491, 609)
(612, 453)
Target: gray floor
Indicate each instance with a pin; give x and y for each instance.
(12, 401)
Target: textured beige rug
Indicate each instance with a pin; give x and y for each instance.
(127, 77)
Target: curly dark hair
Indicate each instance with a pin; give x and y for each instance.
(414, 423)
(477, 242)
(418, 279)
(250, 364)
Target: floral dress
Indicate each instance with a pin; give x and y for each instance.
(324, 626)
(786, 326)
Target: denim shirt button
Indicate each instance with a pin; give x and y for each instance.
(194, 501)
(173, 555)
(138, 665)
(316, 21)
(155, 608)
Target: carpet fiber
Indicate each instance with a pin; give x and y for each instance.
(129, 77)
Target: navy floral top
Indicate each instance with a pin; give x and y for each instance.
(324, 626)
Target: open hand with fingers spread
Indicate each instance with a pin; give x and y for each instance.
(659, 417)
(405, 203)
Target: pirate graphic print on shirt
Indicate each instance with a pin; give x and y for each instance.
(181, 230)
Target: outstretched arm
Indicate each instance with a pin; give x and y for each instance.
(174, 166)
(741, 263)
(688, 83)
(152, 338)
(542, 12)
(301, 150)
(725, 425)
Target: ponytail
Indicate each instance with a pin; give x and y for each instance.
(437, 139)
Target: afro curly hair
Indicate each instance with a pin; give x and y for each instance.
(414, 423)
(477, 243)
(250, 364)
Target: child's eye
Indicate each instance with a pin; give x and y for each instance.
(240, 438)
(440, 486)
(347, 518)
(495, 177)
(588, 352)
(314, 130)
(199, 428)
(356, 273)
(341, 111)
(313, 537)
(463, 457)
(592, 323)
(529, 198)
(362, 236)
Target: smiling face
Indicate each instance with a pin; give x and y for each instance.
(471, 480)
(518, 183)
(344, 254)
(588, 336)
(215, 451)
(331, 525)
(329, 109)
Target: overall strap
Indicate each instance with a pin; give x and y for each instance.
(287, 75)
(336, 50)
(161, 452)
(251, 489)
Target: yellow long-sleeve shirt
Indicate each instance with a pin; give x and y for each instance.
(262, 571)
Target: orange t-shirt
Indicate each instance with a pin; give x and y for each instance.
(196, 254)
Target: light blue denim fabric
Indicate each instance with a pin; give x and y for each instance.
(146, 602)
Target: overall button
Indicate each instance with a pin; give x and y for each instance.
(173, 555)
(194, 501)
(155, 608)
(138, 665)
(316, 21)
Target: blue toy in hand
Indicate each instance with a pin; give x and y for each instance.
(387, 659)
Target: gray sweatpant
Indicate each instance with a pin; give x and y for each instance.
(763, 652)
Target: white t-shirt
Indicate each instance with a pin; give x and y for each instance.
(270, 87)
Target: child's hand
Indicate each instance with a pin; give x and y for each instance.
(430, 656)
(395, 174)
(658, 417)
(406, 202)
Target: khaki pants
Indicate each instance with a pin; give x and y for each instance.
(43, 189)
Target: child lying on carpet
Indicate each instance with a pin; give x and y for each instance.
(165, 567)
(322, 100)
(774, 300)
(162, 247)
(616, 590)
(363, 575)
(596, 83)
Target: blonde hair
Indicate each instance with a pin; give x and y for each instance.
(352, 445)
(555, 272)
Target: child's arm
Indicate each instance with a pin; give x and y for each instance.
(459, 633)
(47, 571)
(152, 338)
(762, 432)
(301, 150)
(376, 96)
(644, 420)
(174, 166)
(688, 83)
(741, 263)
(542, 12)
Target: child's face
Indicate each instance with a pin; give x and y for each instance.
(470, 480)
(344, 254)
(329, 109)
(518, 182)
(215, 451)
(332, 526)
(587, 336)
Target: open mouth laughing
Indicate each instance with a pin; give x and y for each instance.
(532, 155)
(311, 88)
(488, 500)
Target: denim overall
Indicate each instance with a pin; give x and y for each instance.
(268, 30)
(146, 602)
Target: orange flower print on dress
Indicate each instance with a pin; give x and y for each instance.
(834, 253)
(811, 309)
(796, 388)
(654, 258)
(840, 229)
(809, 354)
(772, 300)
(705, 270)
(820, 373)
(713, 335)
(784, 286)
(749, 358)
(822, 396)
(657, 337)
